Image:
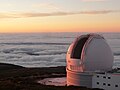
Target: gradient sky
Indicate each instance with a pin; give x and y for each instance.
(59, 16)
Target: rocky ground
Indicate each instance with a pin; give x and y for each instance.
(14, 77)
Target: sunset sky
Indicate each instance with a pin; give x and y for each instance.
(59, 16)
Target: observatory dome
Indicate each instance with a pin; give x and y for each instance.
(89, 53)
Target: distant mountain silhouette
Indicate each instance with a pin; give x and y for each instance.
(5, 66)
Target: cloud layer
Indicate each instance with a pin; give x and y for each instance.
(31, 14)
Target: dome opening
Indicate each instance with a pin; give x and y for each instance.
(76, 53)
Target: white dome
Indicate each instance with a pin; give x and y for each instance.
(89, 53)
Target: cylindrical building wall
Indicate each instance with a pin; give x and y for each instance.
(79, 79)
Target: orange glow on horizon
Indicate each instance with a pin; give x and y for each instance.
(57, 16)
(72, 23)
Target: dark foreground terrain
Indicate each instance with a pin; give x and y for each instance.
(14, 77)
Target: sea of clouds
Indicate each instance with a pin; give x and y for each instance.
(45, 49)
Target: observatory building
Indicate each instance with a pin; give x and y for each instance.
(89, 63)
